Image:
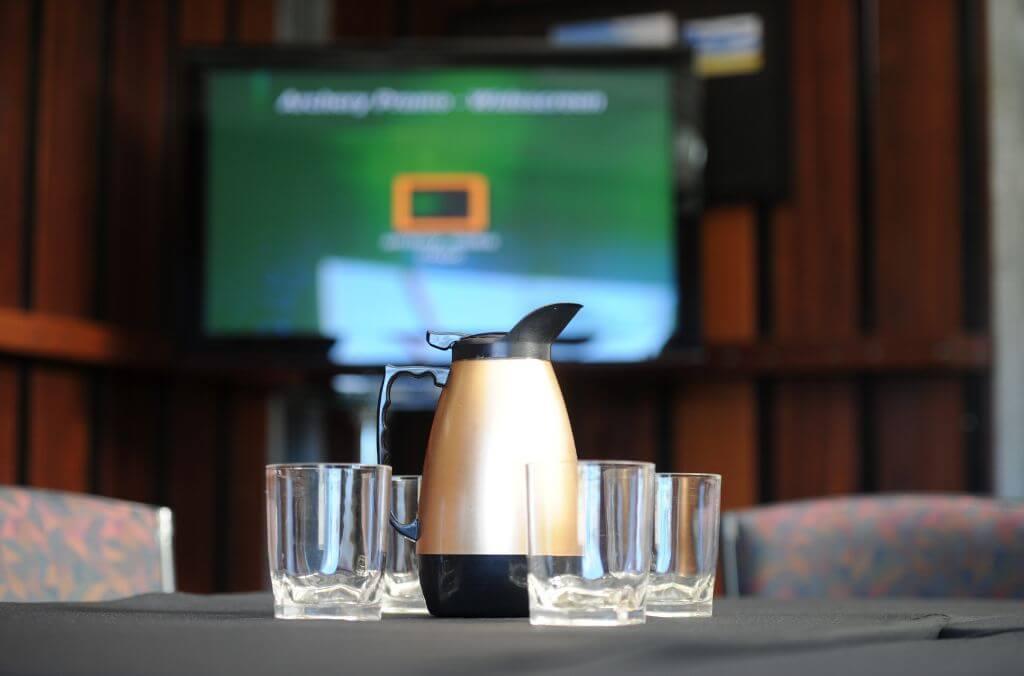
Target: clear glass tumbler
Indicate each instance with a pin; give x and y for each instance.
(686, 514)
(589, 554)
(326, 530)
(402, 592)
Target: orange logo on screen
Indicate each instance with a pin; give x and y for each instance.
(477, 215)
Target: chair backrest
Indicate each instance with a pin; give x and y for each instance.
(877, 546)
(68, 547)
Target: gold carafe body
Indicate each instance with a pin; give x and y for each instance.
(493, 417)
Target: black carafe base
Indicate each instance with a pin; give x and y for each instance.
(474, 585)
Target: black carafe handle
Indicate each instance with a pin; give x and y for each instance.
(410, 530)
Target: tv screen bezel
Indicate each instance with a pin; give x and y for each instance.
(310, 351)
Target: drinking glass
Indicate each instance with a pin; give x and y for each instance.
(326, 539)
(589, 549)
(402, 592)
(686, 509)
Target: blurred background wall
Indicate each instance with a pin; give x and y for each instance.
(846, 328)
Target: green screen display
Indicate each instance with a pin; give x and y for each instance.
(368, 206)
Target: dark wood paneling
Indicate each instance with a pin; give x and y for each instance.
(729, 286)
(612, 418)
(135, 228)
(919, 442)
(246, 532)
(715, 430)
(59, 429)
(127, 465)
(918, 187)
(365, 20)
(9, 393)
(920, 439)
(255, 21)
(68, 157)
(816, 444)
(15, 53)
(815, 255)
(203, 21)
(191, 487)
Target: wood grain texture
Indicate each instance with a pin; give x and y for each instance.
(9, 394)
(135, 210)
(246, 536)
(918, 235)
(729, 275)
(816, 443)
(203, 21)
(191, 483)
(59, 428)
(920, 437)
(127, 462)
(67, 157)
(15, 47)
(815, 240)
(715, 430)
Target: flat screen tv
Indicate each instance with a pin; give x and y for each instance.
(363, 197)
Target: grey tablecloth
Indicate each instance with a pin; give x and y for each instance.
(236, 634)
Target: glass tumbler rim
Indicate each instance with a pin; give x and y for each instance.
(592, 463)
(324, 465)
(691, 475)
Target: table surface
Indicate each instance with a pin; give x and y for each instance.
(237, 634)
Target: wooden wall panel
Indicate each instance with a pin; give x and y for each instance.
(918, 187)
(59, 429)
(816, 445)
(715, 430)
(15, 47)
(918, 281)
(255, 21)
(9, 394)
(612, 418)
(246, 533)
(366, 20)
(729, 286)
(135, 206)
(815, 255)
(128, 462)
(67, 158)
(920, 435)
(203, 21)
(191, 488)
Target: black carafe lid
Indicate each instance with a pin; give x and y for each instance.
(530, 338)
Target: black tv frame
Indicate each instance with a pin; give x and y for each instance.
(310, 352)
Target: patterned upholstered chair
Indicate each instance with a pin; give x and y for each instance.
(876, 546)
(68, 547)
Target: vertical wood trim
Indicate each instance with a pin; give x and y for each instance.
(15, 64)
(59, 429)
(728, 288)
(67, 159)
(715, 430)
(246, 482)
(612, 418)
